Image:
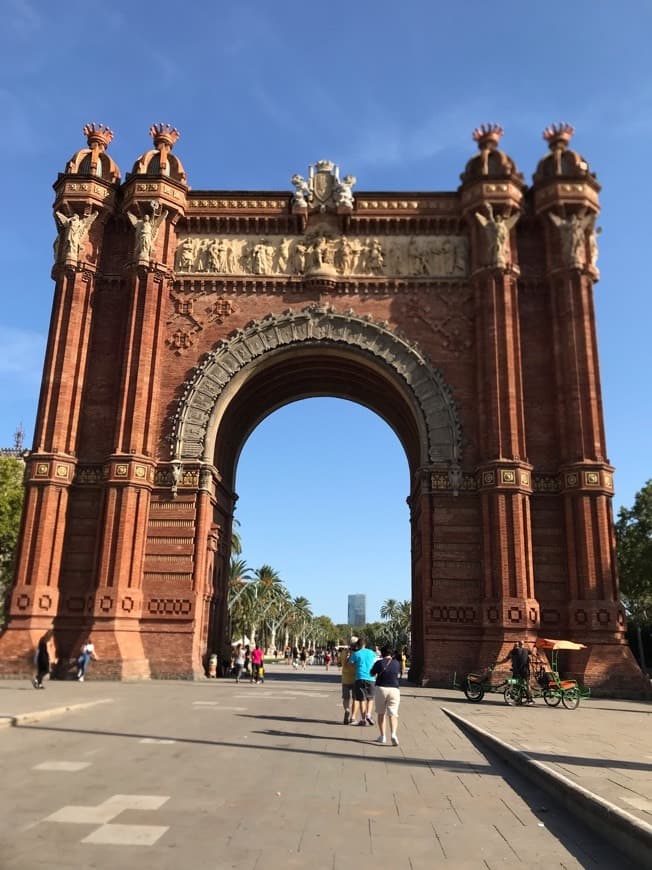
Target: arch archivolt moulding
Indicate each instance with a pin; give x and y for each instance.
(318, 324)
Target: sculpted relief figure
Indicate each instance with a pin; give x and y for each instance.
(185, 255)
(344, 256)
(497, 229)
(299, 259)
(260, 264)
(376, 258)
(72, 235)
(146, 233)
(282, 258)
(573, 238)
(415, 256)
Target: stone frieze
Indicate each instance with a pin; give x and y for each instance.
(396, 256)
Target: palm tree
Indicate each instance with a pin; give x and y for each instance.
(236, 540)
(268, 594)
(239, 582)
(399, 617)
(388, 609)
(301, 616)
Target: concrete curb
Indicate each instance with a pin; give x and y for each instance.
(37, 715)
(631, 835)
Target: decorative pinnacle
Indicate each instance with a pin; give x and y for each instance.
(488, 136)
(163, 135)
(559, 135)
(97, 135)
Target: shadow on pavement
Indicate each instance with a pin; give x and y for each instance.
(589, 762)
(433, 763)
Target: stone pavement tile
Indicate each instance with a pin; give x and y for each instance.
(460, 842)
(533, 843)
(350, 859)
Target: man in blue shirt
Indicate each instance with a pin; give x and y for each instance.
(363, 659)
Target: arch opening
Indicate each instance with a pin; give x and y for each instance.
(296, 355)
(322, 486)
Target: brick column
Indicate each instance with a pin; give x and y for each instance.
(81, 207)
(51, 466)
(129, 476)
(510, 610)
(491, 195)
(566, 201)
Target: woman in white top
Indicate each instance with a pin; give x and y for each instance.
(87, 653)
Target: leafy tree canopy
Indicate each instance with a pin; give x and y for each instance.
(11, 504)
(634, 539)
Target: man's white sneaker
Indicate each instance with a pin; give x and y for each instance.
(394, 740)
(381, 739)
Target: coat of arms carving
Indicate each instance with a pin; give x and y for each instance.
(323, 187)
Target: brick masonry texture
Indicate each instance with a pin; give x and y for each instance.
(154, 377)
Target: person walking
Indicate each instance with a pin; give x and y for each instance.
(257, 657)
(303, 656)
(387, 671)
(87, 653)
(44, 654)
(363, 659)
(348, 685)
(238, 662)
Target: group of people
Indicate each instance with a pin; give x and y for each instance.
(307, 656)
(248, 662)
(45, 656)
(369, 681)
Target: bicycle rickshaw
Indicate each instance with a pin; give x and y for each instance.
(547, 682)
(476, 685)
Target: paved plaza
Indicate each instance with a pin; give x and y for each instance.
(217, 775)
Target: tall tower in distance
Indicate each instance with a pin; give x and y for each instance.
(357, 610)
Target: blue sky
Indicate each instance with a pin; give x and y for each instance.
(389, 91)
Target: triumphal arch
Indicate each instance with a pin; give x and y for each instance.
(183, 317)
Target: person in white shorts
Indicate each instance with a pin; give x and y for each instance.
(388, 696)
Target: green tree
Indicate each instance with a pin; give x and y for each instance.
(300, 619)
(236, 540)
(11, 505)
(634, 542)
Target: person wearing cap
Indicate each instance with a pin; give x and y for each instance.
(363, 660)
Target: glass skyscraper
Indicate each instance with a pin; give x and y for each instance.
(357, 610)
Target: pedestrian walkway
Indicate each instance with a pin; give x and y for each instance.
(215, 774)
(604, 745)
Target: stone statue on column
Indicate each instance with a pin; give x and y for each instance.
(72, 235)
(573, 238)
(496, 231)
(146, 232)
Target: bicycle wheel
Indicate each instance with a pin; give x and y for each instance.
(571, 698)
(474, 692)
(513, 695)
(551, 697)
